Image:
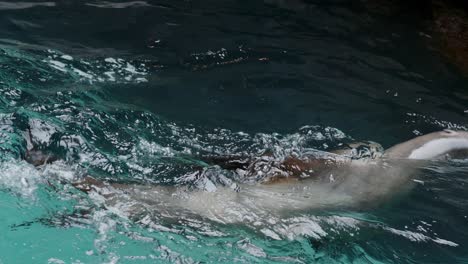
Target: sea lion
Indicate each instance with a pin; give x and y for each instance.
(271, 186)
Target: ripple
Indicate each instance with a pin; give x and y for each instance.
(24, 5)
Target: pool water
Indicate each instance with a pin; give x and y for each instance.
(136, 91)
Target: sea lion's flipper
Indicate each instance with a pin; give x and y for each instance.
(34, 155)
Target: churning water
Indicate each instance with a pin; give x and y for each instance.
(135, 91)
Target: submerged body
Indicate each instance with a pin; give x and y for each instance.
(358, 183)
(271, 187)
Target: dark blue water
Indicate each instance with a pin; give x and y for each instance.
(134, 90)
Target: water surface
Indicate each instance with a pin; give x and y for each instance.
(131, 91)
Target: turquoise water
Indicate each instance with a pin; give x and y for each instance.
(135, 91)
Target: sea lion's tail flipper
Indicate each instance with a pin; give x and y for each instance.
(446, 144)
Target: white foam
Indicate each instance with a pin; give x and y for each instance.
(343, 222)
(302, 226)
(19, 177)
(60, 170)
(445, 242)
(55, 261)
(83, 74)
(418, 237)
(58, 65)
(41, 130)
(91, 71)
(67, 57)
(153, 148)
(270, 233)
(250, 248)
(110, 60)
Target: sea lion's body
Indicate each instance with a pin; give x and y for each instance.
(320, 179)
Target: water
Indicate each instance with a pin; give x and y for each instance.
(135, 91)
